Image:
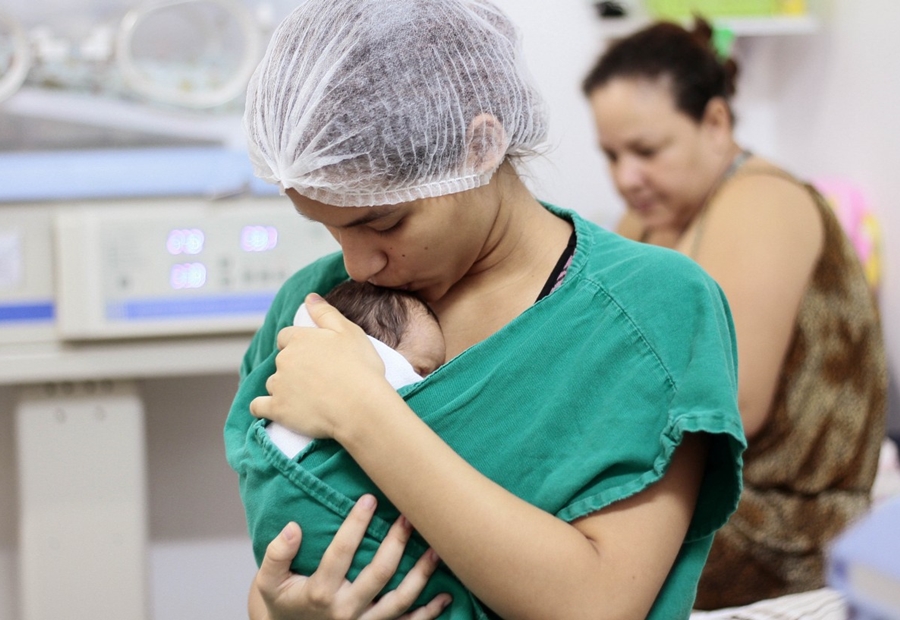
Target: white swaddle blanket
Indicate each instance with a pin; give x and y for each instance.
(397, 370)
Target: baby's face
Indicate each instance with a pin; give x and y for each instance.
(423, 343)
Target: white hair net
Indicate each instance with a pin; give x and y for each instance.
(371, 102)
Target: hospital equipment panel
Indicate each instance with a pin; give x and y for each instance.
(148, 267)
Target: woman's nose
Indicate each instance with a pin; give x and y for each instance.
(628, 174)
(362, 258)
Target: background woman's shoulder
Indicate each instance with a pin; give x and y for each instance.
(761, 216)
(762, 195)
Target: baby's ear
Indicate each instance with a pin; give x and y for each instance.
(487, 143)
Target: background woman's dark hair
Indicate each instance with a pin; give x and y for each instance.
(687, 58)
(382, 313)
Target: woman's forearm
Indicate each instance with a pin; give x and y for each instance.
(521, 561)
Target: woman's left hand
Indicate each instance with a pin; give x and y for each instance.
(323, 375)
(277, 593)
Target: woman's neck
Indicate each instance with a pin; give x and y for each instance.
(719, 169)
(523, 247)
(673, 234)
(522, 232)
(688, 241)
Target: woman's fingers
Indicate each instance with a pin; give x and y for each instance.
(398, 601)
(324, 314)
(279, 593)
(339, 555)
(372, 579)
(417, 578)
(284, 336)
(433, 609)
(261, 407)
(275, 570)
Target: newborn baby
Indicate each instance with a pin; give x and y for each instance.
(403, 329)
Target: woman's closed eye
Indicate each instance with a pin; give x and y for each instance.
(387, 228)
(645, 152)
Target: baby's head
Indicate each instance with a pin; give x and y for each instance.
(397, 318)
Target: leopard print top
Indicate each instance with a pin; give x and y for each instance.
(809, 471)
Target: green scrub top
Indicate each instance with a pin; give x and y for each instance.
(577, 403)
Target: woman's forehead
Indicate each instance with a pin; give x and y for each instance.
(635, 96)
(635, 110)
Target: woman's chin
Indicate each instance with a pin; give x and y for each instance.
(649, 217)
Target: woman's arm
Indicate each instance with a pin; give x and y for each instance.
(760, 242)
(521, 561)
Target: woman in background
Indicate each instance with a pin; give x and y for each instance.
(812, 373)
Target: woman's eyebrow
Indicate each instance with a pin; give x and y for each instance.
(375, 214)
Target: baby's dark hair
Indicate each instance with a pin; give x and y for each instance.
(382, 313)
(664, 49)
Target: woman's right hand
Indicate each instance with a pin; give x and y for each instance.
(279, 594)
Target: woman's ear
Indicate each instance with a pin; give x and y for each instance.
(487, 143)
(717, 122)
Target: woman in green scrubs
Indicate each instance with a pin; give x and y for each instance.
(581, 444)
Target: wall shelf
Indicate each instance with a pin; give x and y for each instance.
(741, 26)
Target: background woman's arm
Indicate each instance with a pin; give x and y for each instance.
(760, 242)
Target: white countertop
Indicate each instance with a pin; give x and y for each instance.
(27, 363)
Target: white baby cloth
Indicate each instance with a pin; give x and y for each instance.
(397, 370)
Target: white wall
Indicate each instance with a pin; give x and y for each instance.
(8, 509)
(201, 563)
(561, 41)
